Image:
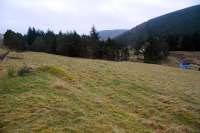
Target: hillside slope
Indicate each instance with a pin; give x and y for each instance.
(105, 34)
(64, 94)
(185, 21)
(1, 39)
(1, 36)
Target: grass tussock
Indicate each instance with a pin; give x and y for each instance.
(57, 71)
(59, 84)
(11, 72)
(22, 71)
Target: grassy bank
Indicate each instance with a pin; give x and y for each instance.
(64, 94)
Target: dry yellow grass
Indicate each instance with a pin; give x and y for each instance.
(104, 96)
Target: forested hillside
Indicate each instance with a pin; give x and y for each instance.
(105, 34)
(1, 39)
(1, 36)
(180, 29)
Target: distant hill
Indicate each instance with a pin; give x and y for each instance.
(1, 39)
(105, 34)
(1, 36)
(182, 22)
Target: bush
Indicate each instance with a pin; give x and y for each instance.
(24, 70)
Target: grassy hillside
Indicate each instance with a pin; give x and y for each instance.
(182, 22)
(75, 95)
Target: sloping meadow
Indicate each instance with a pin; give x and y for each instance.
(61, 94)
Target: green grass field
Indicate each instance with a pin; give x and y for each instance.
(63, 94)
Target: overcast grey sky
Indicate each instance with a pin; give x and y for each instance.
(80, 15)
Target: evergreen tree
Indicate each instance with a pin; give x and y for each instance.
(94, 34)
(61, 46)
(74, 47)
(109, 51)
(14, 40)
(39, 45)
(31, 35)
(50, 41)
(196, 40)
(156, 51)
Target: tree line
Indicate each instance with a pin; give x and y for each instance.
(154, 49)
(184, 42)
(68, 44)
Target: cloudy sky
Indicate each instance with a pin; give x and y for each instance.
(80, 15)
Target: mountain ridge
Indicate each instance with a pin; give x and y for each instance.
(184, 21)
(105, 34)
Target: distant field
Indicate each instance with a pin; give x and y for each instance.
(64, 94)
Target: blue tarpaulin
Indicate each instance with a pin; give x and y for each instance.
(184, 65)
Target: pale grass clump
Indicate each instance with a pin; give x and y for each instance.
(57, 71)
(11, 72)
(59, 84)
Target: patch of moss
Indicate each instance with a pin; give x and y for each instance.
(21, 84)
